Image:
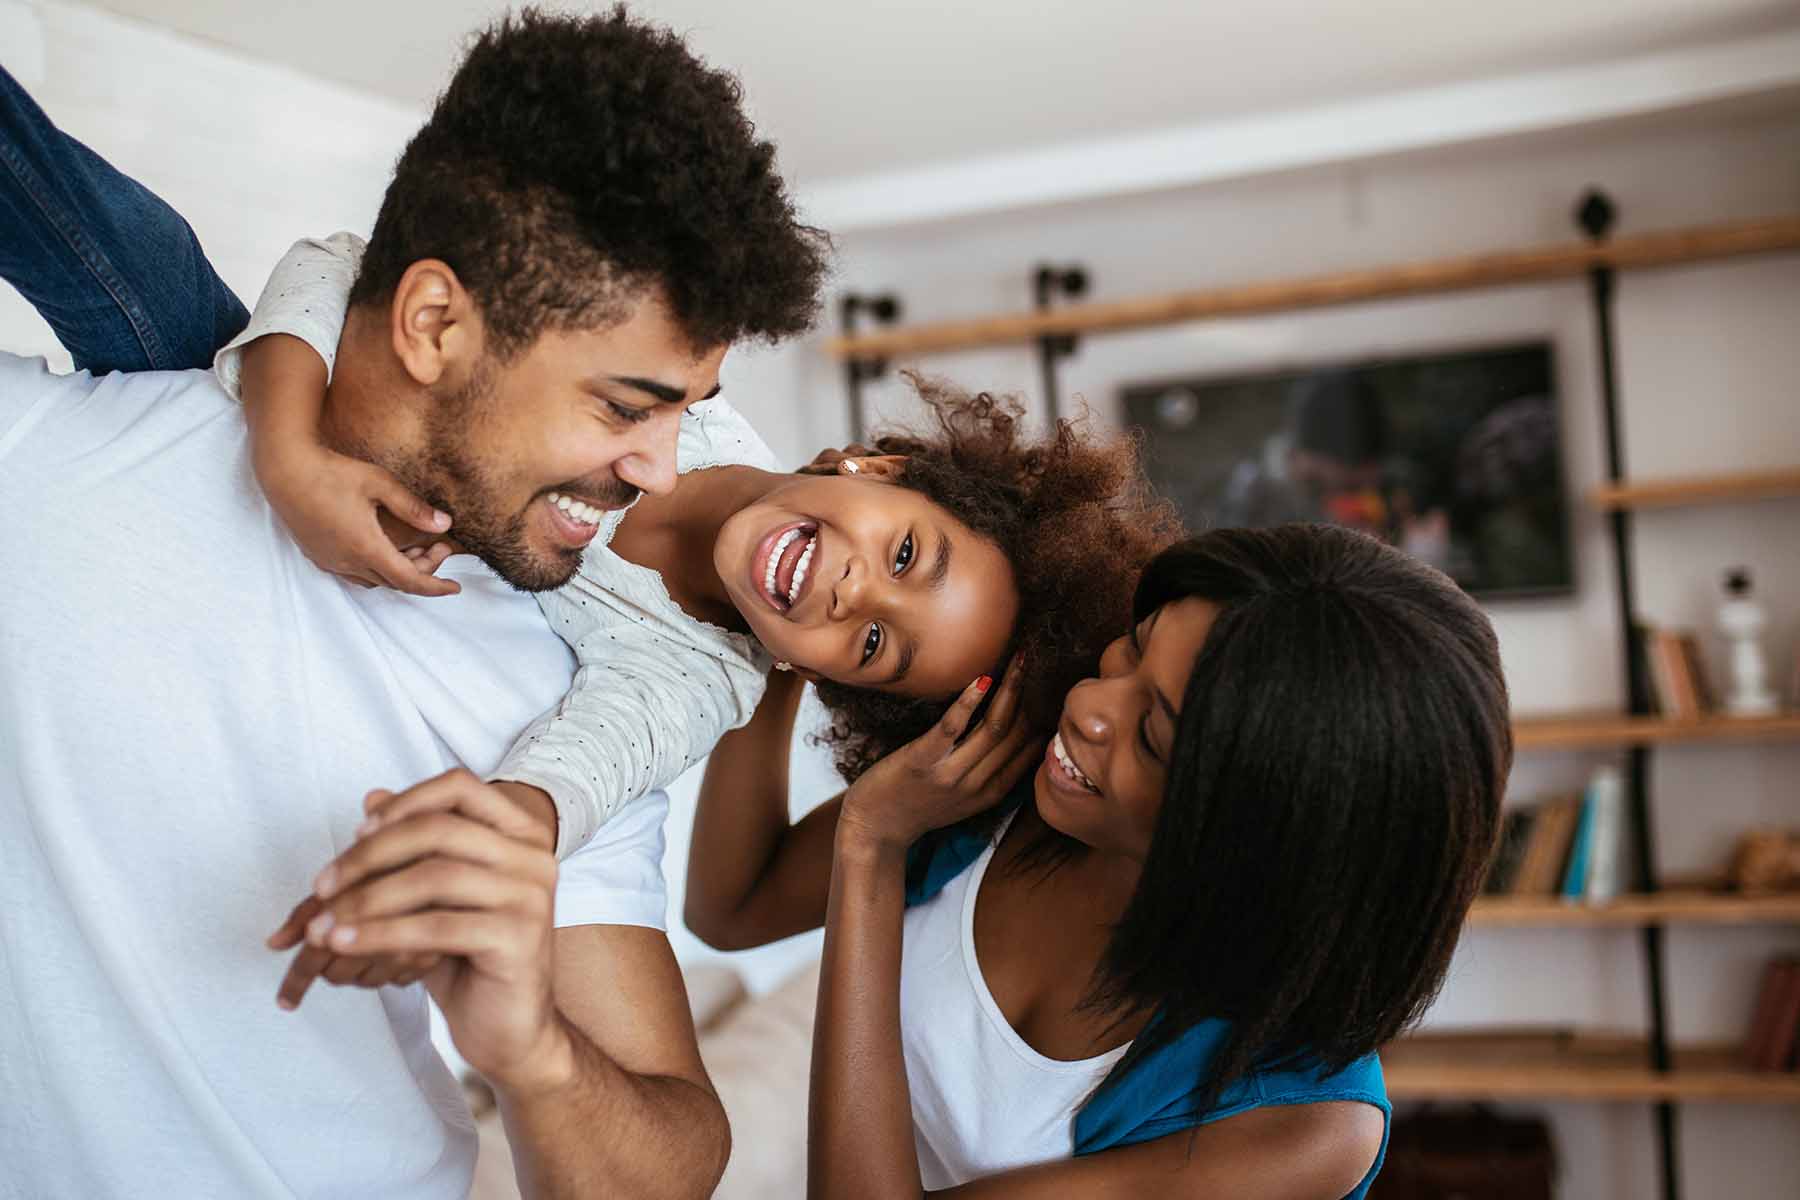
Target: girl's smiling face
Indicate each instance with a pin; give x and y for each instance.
(870, 584)
(1103, 774)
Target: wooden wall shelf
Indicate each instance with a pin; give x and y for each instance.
(1698, 489)
(1563, 1067)
(1588, 731)
(1664, 908)
(1534, 265)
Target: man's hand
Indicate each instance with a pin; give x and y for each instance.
(454, 873)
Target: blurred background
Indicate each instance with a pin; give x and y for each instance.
(1142, 149)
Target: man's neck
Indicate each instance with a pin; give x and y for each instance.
(373, 410)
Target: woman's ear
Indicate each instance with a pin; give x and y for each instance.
(436, 327)
(886, 467)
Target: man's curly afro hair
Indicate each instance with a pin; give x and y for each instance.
(1076, 519)
(575, 161)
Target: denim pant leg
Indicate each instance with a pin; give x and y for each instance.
(115, 271)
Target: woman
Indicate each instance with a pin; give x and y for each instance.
(1164, 964)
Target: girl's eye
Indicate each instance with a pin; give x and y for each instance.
(871, 644)
(627, 414)
(1144, 739)
(904, 558)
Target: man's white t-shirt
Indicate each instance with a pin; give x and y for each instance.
(190, 713)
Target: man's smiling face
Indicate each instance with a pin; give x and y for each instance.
(527, 455)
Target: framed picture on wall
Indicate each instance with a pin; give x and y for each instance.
(1454, 456)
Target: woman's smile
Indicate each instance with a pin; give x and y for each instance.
(1063, 771)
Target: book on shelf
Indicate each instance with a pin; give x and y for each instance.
(1570, 846)
(1575, 873)
(1546, 853)
(1775, 1026)
(1515, 832)
(1669, 662)
(1696, 671)
(1606, 841)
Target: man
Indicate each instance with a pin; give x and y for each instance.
(189, 710)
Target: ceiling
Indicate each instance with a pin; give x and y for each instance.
(854, 88)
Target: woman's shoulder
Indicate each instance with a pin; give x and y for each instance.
(1157, 1095)
(1306, 1080)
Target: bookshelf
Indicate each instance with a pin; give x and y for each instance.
(1600, 731)
(1647, 1068)
(1504, 268)
(1697, 489)
(1660, 908)
(1564, 1066)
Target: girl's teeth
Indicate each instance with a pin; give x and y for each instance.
(781, 544)
(800, 568)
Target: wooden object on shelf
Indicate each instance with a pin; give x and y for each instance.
(1505, 267)
(1547, 852)
(1660, 908)
(1697, 489)
(1565, 1066)
(1590, 731)
(1769, 1046)
(1766, 861)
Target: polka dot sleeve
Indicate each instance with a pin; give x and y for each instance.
(307, 296)
(655, 689)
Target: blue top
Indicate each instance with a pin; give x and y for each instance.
(1157, 1097)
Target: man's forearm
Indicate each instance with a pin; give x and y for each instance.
(591, 1128)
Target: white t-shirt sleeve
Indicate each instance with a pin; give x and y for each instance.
(617, 878)
(307, 296)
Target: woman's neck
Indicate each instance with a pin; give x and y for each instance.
(1107, 880)
(674, 536)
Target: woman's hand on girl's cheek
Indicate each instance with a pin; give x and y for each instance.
(953, 771)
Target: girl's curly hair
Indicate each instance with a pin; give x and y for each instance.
(1075, 517)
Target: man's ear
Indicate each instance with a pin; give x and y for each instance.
(887, 467)
(436, 327)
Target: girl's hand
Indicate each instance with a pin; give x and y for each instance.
(951, 772)
(330, 502)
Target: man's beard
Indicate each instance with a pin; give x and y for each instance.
(458, 481)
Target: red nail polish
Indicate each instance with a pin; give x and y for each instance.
(984, 683)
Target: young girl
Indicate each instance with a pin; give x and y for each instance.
(1163, 965)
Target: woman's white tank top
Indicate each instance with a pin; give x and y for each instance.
(982, 1099)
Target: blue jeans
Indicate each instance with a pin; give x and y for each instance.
(116, 272)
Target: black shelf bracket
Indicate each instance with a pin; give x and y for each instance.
(1047, 283)
(882, 309)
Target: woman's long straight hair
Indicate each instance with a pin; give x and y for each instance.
(1331, 804)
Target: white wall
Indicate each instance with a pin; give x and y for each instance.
(255, 155)
(1710, 378)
